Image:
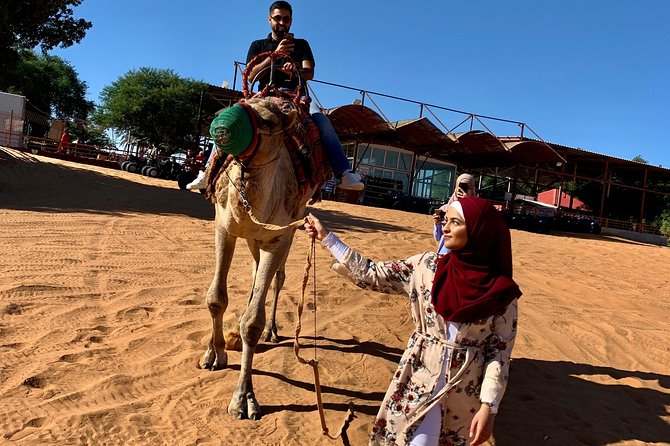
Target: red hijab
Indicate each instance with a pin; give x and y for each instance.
(475, 282)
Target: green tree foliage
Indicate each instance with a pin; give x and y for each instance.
(51, 85)
(665, 224)
(91, 134)
(639, 159)
(29, 23)
(154, 105)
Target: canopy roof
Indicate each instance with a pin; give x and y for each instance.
(476, 148)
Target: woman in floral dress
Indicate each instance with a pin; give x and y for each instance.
(453, 373)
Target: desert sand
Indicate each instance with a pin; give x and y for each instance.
(102, 320)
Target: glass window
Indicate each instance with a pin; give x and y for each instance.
(404, 161)
(391, 160)
(433, 180)
(364, 153)
(404, 177)
(377, 156)
(386, 173)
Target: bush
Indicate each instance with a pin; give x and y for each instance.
(664, 224)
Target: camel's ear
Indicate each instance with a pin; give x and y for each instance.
(289, 114)
(291, 118)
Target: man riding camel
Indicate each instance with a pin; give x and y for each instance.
(281, 40)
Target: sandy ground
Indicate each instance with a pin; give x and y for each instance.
(102, 320)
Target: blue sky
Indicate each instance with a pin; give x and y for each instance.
(591, 74)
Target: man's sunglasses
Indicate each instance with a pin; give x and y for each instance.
(281, 18)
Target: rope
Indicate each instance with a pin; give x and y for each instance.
(248, 208)
(342, 433)
(270, 89)
(270, 226)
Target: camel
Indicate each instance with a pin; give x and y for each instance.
(267, 182)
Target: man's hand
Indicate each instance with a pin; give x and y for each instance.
(288, 68)
(286, 46)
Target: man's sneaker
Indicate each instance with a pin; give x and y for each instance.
(200, 182)
(351, 181)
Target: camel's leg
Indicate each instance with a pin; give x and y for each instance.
(215, 357)
(270, 332)
(243, 403)
(255, 251)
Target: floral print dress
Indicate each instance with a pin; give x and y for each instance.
(478, 352)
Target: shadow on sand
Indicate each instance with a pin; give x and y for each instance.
(28, 184)
(549, 403)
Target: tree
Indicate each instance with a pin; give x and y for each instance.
(91, 134)
(48, 23)
(155, 105)
(639, 159)
(29, 23)
(51, 86)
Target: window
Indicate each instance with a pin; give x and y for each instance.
(391, 160)
(404, 161)
(404, 177)
(433, 180)
(376, 156)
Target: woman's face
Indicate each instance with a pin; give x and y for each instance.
(455, 235)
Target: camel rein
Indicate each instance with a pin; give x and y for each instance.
(342, 433)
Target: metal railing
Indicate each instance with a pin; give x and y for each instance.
(633, 226)
(37, 145)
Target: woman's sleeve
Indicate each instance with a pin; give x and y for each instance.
(437, 231)
(497, 356)
(391, 277)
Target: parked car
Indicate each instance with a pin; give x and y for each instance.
(577, 223)
(531, 215)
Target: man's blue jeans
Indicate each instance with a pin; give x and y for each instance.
(331, 143)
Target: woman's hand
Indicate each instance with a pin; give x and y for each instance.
(460, 193)
(481, 427)
(314, 228)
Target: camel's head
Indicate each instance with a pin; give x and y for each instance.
(240, 129)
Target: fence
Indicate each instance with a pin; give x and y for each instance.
(630, 226)
(11, 130)
(47, 146)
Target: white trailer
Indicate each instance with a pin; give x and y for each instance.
(12, 115)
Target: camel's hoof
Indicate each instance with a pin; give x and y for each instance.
(253, 409)
(210, 360)
(237, 407)
(270, 335)
(244, 406)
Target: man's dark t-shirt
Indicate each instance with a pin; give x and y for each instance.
(301, 52)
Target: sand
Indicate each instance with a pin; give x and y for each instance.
(102, 320)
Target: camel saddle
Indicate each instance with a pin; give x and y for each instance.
(303, 142)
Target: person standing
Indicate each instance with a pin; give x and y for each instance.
(64, 142)
(465, 187)
(453, 374)
(282, 41)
